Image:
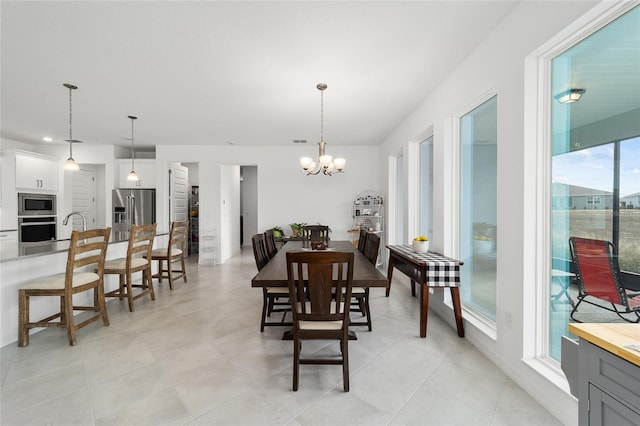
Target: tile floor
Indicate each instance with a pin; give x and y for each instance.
(196, 356)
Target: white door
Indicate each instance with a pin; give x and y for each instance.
(84, 198)
(178, 193)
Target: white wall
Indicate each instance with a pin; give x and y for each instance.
(285, 193)
(496, 66)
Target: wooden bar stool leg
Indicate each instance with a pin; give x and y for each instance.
(23, 318)
(129, 290)
(149, 282)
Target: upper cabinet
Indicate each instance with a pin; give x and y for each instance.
(145, 169)
(36, 173)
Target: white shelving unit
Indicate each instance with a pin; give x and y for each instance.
(368, 213)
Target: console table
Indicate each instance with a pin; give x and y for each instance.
(428, 270)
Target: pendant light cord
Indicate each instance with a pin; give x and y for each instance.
(132, 152)
(70, 125)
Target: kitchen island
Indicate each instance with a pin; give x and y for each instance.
(21, 262)
(608, 373)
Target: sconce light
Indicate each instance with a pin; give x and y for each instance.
(570, 96)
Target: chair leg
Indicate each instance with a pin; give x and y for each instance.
(170, 273)
(146, 276)
(68, 313)
(23, 319)
(101, 305)
(296, 363)
(184, 268)
(367, 308)
(129, 290)
(345, 363)
(121, 285)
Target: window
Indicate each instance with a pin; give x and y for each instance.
(426, 188)
(595, 160)
(478, 225)
(400, 199)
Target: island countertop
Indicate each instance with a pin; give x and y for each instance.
(13, 250)
(612, 337)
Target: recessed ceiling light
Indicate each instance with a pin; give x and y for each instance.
(47, 139)
(299, 141)
(231, 143)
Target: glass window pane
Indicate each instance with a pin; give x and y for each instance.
(595, 161)
(426, 188)
(400, 199)
(478, 139)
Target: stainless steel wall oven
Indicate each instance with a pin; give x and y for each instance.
(37, 228)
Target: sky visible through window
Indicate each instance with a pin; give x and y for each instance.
(593, 167)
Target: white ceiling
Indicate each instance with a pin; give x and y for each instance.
(214, 72)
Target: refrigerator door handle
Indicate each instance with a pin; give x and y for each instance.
(132, 210)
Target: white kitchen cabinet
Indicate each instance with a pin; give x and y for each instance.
(36, 173)
(145, 169)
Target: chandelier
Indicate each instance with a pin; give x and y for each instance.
(133, 176)
(326, 163)
(71, 164)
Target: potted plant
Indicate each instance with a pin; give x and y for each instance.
(296, 228)
(277, 232)
(420, 244)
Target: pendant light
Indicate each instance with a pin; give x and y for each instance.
(326, 163)
(71, 164)
(133, 176)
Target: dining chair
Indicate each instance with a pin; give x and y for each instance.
(316, 233)
(313, 278)
(138, 258)
(362, 240)
(270, 243)
(361, 294)
(274, 299)
(600, 282)
(84, 272)
(174, 252)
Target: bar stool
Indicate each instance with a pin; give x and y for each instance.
(174, 252)
(85, 267)
(137, 260)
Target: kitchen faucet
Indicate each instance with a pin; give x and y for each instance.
(84, 220)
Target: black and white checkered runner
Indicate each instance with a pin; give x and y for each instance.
(441, 271)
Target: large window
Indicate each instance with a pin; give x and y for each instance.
(478, 225)
(426, 188)
(400, 238)
(595, 160)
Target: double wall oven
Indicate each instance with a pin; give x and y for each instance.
(36, 217)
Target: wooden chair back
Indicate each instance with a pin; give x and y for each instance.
(315, 278)
(362, 240)
(178, 237)
(87, 251)
(259, 251)
(140, 243)
(270, 243)
(372, 248)
(316, 233)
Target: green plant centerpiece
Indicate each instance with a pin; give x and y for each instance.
(277, 232)
(296, 228)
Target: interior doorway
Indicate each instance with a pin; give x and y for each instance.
(248, 204)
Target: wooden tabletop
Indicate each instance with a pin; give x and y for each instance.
(612, 337)
(275, 273)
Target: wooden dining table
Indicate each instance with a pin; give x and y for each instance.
(274, 274)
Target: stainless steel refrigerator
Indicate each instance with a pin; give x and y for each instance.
(132, 207)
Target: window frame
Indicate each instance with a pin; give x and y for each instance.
(536, 245)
